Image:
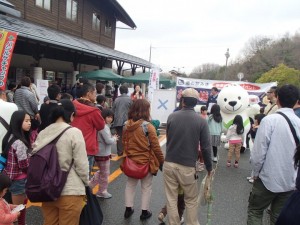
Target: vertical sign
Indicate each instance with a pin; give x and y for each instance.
(153, 82)
(7, 44)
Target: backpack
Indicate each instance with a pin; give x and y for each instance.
(45, 179)
(2, 158)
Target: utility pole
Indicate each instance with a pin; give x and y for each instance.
(227, 55)
(150, 52)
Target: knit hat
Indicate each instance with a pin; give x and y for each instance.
(190, 93)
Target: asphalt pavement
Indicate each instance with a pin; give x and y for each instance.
(230, 191)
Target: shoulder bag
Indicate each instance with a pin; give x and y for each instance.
(291, 127)
(132, 169)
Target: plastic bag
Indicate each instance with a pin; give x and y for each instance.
(205, 194)
(91, 213)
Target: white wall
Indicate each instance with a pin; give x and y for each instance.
(163, 104)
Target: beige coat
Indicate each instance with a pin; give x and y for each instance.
(137, 147)
(70, 145)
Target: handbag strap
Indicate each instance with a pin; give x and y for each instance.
(271, 108)
(57, 138)
(4, 123)
(291, 127)
(127, 139)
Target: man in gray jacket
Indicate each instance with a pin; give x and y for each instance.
(120, 108)
(185, 129)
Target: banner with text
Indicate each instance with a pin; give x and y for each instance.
(7, 44)
(153, 82)
(204, 87)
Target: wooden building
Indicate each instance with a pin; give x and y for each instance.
(59, 38)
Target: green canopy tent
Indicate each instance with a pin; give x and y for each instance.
(106, 75)
(144, 78)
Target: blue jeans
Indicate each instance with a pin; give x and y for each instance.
(18, 187)
(91, 159)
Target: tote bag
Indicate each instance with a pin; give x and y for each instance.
(91, 213)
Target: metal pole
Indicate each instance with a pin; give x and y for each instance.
(150, 53)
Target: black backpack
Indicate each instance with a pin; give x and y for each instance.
(45, 179)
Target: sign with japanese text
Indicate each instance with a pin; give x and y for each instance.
(204, 87)
(153, 82)
(7, 44)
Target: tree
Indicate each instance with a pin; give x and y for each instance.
(282, 74)
(206, 71)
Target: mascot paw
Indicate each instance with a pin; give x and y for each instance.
(226, 146)
(223, 138)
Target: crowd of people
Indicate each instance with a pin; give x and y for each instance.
(85, 124)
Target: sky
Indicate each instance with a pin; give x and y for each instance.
(186, 34)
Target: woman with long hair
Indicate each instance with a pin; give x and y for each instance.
(215, 128)
(141, 147)
(70, 147)
(137, 93)
(16, 148)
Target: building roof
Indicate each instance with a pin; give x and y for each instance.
(122, 15)
(9, 8)
(54, 37)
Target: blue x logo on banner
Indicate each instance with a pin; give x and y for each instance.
(162, 104)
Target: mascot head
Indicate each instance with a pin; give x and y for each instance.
(233, 99)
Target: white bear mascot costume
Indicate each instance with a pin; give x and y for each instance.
(235, 100)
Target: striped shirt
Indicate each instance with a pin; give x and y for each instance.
(26, 101)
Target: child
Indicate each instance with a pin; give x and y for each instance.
(215, 128)
(235, 138)
(203, 112)
(16, 147)
(257, 120)
(200, 161)
(102, 159)
(253, 130)
(101, 100)
(180, 206)
(6, 216)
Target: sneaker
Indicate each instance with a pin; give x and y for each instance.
(236, 164)
(182, 220)
(128, 212)
(161, 217)
(105, 195)
(248, 178)
(215, 159)
(93, 181)
(228, 164)
(251, 180)
(146, 215)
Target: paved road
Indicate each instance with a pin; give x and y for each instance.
(230, 189)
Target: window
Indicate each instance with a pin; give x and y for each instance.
(108, 27)
(46, 4)
(96, 22)
(72, 10)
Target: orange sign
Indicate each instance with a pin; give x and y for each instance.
(7, 44)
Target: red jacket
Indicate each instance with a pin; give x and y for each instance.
(89, 120)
